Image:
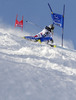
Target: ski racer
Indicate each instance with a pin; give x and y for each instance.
(46, 32)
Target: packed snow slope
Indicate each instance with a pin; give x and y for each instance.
(33, 71)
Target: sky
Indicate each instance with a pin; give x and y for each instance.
(38, 12)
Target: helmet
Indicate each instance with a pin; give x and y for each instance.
(51, 26)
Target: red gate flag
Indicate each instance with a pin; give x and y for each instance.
(19, 23)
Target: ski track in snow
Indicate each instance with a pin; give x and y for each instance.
(15, 49)
(30, 60)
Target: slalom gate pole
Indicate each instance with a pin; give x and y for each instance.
(63, 24)
(62, 35)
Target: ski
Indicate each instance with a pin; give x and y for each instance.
(64, 48)
(53, 45)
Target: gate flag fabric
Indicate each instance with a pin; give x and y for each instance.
(19, 23)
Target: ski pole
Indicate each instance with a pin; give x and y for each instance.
(34, 24)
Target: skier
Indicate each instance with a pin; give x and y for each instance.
(46, 32)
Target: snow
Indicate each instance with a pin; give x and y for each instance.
(33, 71)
